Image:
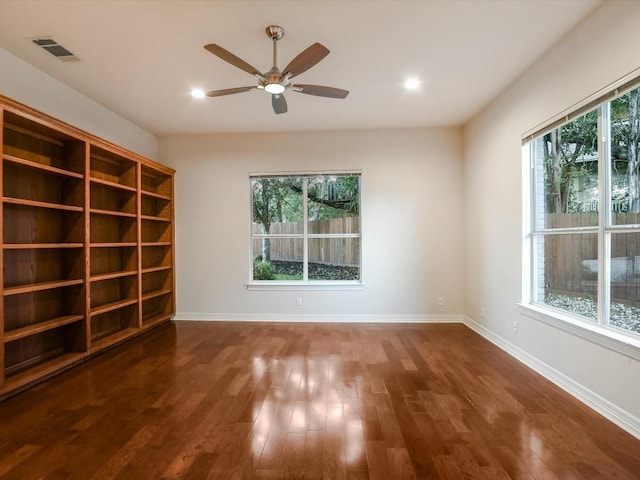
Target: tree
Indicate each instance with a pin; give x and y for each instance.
(269, 199)
(331, 197)
(566, 150)
(625, 145)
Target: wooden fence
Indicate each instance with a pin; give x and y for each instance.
(571, 261)
(343, 252)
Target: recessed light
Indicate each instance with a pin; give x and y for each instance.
(197, 93)
(412, 83)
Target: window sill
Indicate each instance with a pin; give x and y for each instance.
(284, 285)
(605, 337)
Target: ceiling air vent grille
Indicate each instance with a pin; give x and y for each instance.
(55, 49)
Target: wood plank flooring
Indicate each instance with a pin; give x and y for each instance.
(196, 400)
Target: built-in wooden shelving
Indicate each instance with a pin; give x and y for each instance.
(87, 245)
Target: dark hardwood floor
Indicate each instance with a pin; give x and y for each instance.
(239, 401)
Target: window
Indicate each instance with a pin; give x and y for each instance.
(586, 214)
(305, 229)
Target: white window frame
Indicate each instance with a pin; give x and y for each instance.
(599, 331)
(305, 283)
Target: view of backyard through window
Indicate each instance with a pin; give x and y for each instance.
(582, 169)
(306, 227)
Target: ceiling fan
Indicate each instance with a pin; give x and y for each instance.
(275, 81)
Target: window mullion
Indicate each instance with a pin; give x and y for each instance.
(305, 229)
(604, 217)
(533, 223)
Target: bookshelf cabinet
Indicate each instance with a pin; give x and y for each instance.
(87, 246)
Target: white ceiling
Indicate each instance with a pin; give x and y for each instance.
(141, 59)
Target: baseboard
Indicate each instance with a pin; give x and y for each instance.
(620, 417)
(317, 318)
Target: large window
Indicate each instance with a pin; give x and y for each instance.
(586, 215)
(305, 229)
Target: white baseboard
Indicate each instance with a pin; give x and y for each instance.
(311, 318)
(620, 417)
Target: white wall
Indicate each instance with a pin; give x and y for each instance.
(26, 84)
(587, 60)
(411, 222)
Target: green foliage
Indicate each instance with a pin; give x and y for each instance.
(279, 199)
(625, 148)
(333, 196)
(263, 271)
(284, 276)
(570, 151)
(274, 199)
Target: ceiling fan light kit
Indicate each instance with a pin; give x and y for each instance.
(274, 81)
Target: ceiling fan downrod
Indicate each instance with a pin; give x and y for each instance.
(275, 33)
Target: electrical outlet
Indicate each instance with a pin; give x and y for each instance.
(298, 301)
(482, 312)
(440, 301)
(515, 326)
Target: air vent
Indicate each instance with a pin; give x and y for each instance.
(55, 49)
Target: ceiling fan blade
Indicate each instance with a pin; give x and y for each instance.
(320, 91)
(279, 103)
(229, 57)
(228, 91)
(306, 59)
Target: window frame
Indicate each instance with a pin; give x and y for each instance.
(305, 236)
(600, 331)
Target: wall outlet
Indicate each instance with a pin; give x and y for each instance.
(482, 312)
(298, 301)
(515, 326)
(440, 301)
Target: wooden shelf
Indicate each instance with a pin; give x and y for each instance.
(40, 327)
(108, 307)
(156, 244)
(76, 212)
(111, 184)
(154, 294)
(106, 165)
(155, 319)
(41, 370)
(33, 133)
(155, 219)
(36, 287)
(34, 203)
(30, 246)
(112, 275)
(156, 269)
(113, 244)
(155, 195)
(114, 213)
(41, 166)
(111, 339)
